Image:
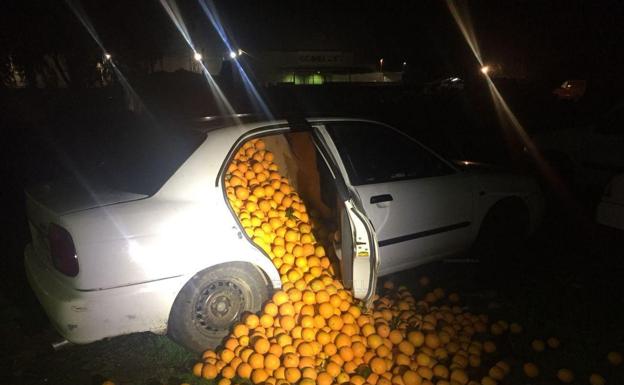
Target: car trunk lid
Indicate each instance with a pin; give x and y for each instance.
(47, 203)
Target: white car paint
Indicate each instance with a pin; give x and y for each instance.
(136, 255)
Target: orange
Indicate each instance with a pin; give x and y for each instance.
(305, 349)
(197, 369)
(374, 341)
(416, 338)
(324, 378)
(432, 340)
(228, 372)
(261, 345)
(596, 379)
(459, 376)
(240, 330)
(395, 336)
(322, 296)
(227, 355)
(553, 342)
(615, 358)
(309, 372)
(411, 378)
(496, 373)
(259, 376)
(244, 370)
(425, 372)
(346, 353)
(290, 360)
(308, 334)
(406, 347)
(256, 361)
(383, 330)
(286, 308)
(271, 362)
(335, 322)
(530, 370)
(359, 349)
(292, 375)
(330, 349)
(565, 375)
(333, 369)
(342, 340)
(309, 297)
(441, 371)
(422, 359)
(378, 365)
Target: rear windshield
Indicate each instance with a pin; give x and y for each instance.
(138, 157)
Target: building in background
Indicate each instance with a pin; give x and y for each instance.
(315, 67)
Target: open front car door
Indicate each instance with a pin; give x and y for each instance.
(356, 246)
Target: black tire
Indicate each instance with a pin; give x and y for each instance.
(502, 232)
(212, 301)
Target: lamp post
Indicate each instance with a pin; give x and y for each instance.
(381, 69)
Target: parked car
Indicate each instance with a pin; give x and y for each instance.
(571, 90)
(610, 211)
(163, 251)
(588, 156)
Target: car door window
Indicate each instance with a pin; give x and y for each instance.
(374, 153)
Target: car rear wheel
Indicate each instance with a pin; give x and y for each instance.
(502, 232)
(212, 301)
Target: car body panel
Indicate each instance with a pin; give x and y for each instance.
(426, 219)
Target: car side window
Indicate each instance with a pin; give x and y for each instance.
(374, 153)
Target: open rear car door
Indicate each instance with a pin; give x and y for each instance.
(356, 245)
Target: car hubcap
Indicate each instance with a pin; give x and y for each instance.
(219, 304)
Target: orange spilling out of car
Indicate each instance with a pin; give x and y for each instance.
(313, 331)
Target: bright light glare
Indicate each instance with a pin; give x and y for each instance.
(240, 52)
(232, 55)
(197, 56)
(107, 56)
(485, 70)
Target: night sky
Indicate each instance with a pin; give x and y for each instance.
(549, 39)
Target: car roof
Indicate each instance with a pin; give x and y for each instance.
(248, 122)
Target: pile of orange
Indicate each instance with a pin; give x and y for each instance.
(313, 331)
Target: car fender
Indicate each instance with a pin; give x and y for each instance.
(491, 188)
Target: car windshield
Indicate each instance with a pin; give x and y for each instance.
(137, 156)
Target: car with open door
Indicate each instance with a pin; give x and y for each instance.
(108, 259)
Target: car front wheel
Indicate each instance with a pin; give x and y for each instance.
(502, 232)
(212, 301)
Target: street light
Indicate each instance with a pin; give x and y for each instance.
(485, 69)
(197, 56)
(381, 65)
(233, 55)
(107, 56)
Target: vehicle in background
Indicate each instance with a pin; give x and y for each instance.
(587, 156)
(571, 90)
(610, 211)
(159, 249)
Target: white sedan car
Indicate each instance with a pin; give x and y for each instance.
(164, 252)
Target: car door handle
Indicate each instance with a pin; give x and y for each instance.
(381, 198)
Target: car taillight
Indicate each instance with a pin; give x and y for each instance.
(62, 250)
